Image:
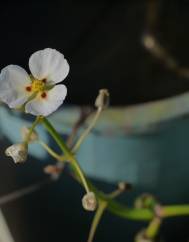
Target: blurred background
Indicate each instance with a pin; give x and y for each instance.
(139, 51)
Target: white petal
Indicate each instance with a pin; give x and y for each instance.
(47, 105)
(13, 81)
(49, 64)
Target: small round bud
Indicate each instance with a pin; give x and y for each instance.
(24, 133)
(124, 186)
(121, 186)
(89, 201)
(146, 201)
(148, 41)
(53, 170)
(102, 100)
(18, 152)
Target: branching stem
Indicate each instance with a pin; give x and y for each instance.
(113, 206)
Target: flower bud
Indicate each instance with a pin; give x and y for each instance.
(18, 152)
(102, 100)
(53, 170)
(24, 133)
(146, 201)
(124, 186)
(89, 201)
(149, 41)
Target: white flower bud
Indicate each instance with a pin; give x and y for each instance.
(18, 152)
(24, 133)
(102, 100)
(89, 201)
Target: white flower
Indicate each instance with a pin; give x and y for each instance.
(89, 201)
(18, 152)
(37, 91)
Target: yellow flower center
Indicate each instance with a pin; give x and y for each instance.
(38, 85)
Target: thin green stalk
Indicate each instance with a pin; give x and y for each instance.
(67, 152)
(35, 123)
(115, 193)
(87, 131)
(146, 214)
(96, 220)
(153, 228)
(123, 211)
(50, 151)
(56, 137)
(175, 210)
(81, 175)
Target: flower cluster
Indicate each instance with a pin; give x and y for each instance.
(38, 92)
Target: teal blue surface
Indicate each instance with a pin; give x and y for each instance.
(156, 159)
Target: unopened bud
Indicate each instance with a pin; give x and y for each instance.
(53, 170)
(149, 41)
(18, 152)
(124, 186)
(25, 132)
(146, 201)
(102, 100)
(89, 201)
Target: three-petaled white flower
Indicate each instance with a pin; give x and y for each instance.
(37, 92)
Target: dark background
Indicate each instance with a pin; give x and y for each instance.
(102, 42)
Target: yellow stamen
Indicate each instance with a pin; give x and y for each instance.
(38, 85)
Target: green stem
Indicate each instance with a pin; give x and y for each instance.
(113, 206)
(56, 137)
(123, 211)
(35, 123)
(115, 193)
(50, 151)
(96, 220)
(153, 228)
(75, 164)
(146, 214)
(175, 210)
(87, 131)
(67, 152)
